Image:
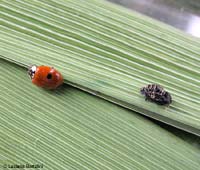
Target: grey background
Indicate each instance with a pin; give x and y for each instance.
(182, 14)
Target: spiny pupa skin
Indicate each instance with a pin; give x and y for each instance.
(157, 94)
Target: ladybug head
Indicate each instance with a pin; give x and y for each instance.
(32, 70)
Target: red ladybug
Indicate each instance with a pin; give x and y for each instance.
(45, 76)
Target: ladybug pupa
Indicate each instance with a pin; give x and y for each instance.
(155, 93)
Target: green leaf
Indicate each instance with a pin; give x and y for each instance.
(109, 51)
(70, 129)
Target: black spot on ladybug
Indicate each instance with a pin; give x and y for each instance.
(157, 94)
(49, 76)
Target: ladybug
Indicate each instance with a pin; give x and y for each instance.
(45, 76)
(157, 94)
